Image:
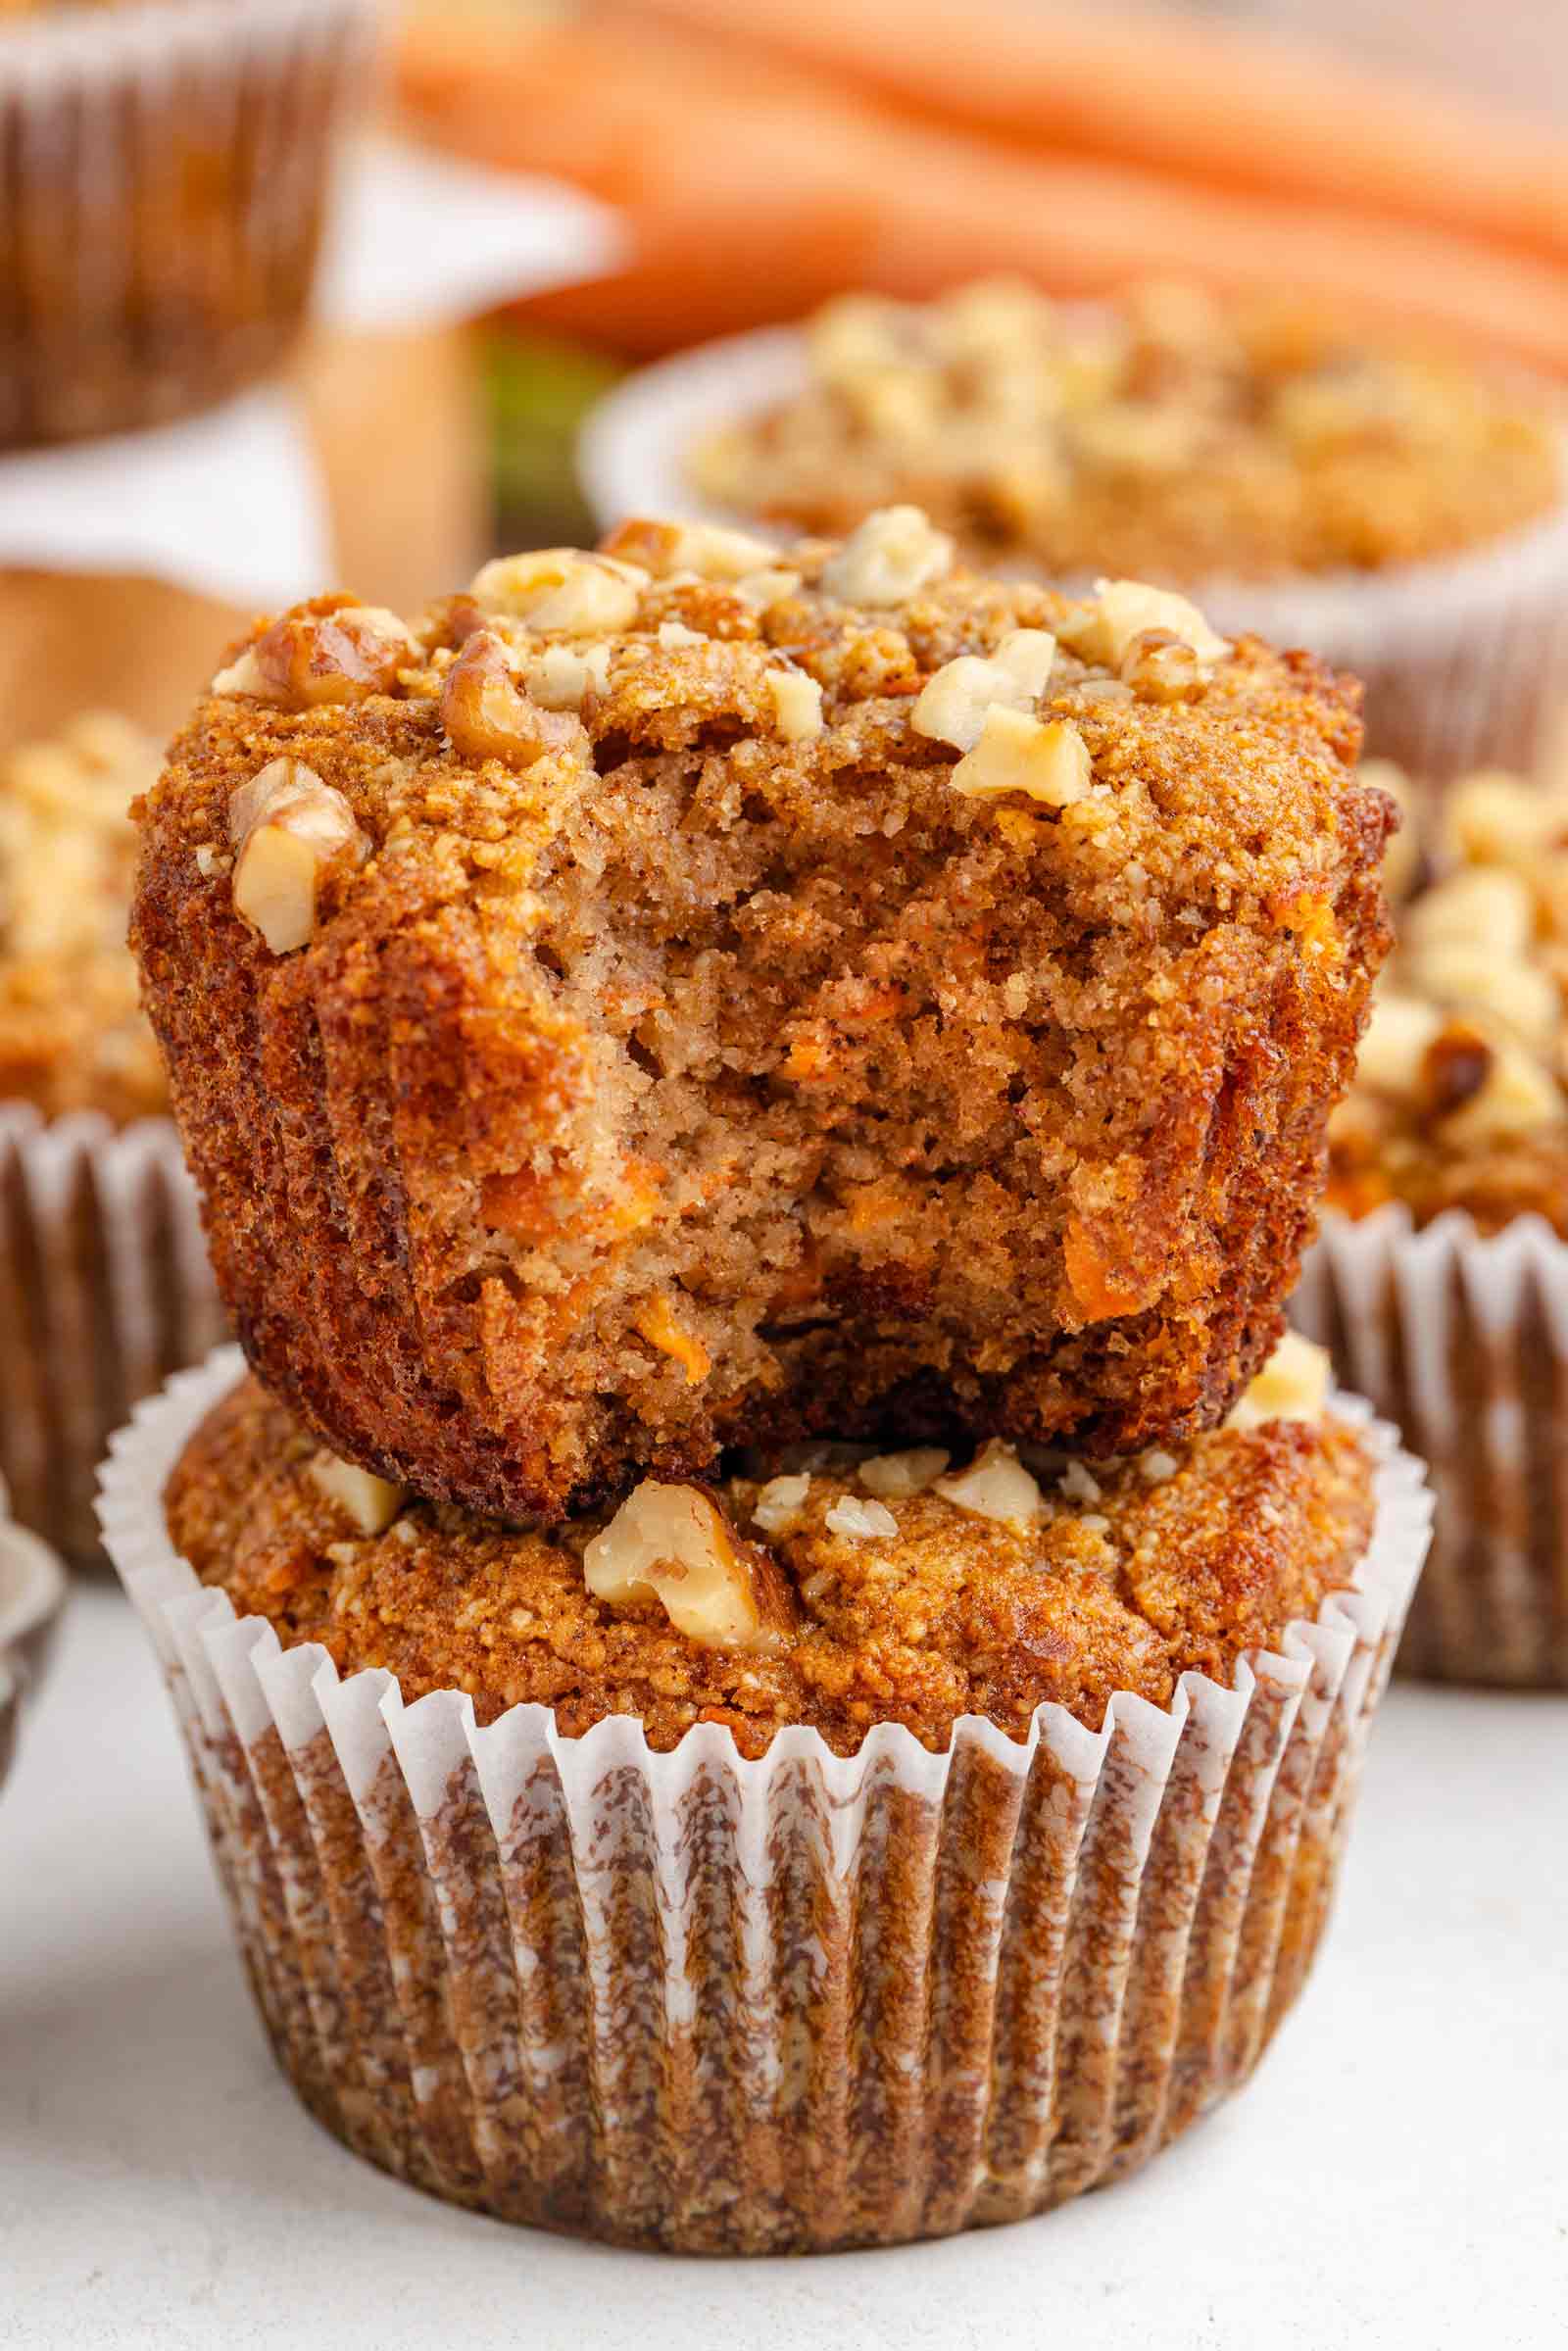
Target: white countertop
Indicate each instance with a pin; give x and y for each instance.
(1398, 2174)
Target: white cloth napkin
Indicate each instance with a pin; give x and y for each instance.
(231, 504)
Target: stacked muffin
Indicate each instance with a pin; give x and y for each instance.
(755, 1113)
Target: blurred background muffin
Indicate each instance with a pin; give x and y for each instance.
(104, 1283)
(1441, 1276)
(166, 181)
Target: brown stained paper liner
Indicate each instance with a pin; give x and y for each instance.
(1464, 1341)
(1465, 659)
(105, 1290)
(167, 170)
(683, 2000)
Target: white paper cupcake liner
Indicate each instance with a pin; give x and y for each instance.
(105, 1290)
(32, 1586)
(167, 170)
(1464, 1341)
(690, 2001)
(1465, 661)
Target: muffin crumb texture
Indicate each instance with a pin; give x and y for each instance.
(838, 1593)
(676, 995)
(1168, 434)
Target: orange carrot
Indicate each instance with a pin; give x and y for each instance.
(1211, 102)
(754, 191)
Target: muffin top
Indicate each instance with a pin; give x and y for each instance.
(1163, 435)
(72, 1035)
(1461, 1091)
(837, 1593)
(682, 996)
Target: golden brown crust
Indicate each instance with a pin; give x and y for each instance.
(701, 1081)
(72, 1035)
(1135, 1575)
(1163, 436)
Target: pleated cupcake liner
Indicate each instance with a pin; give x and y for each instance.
(33, 1588)
(105, 1289)
(1464, 1341)
(1464, 659)
(689, 2001)
(166, 169)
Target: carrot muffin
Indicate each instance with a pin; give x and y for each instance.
(166, 181)
(1441, 1275)
(1461, 1091)
(840, 1594)
(71, 1034)
(1167, 435)
(674, 997)
(791, 1912)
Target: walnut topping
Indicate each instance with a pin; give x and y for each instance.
(857, 1521)
(1492, 818)
(1484, 906)
(779, 1503)
(1395, 1046)
(1522, 996)
(287, 827)
(1014, 752)
(952, 705)
(489, 715)
(1125, 609)
(770, 586)
(797, 704)
(561, 677)
(1516, 1096)
(704, 548)
(895, 1477)
(1160, 666)
(671, 1545)
(561, 588)
(333, 650)
(1292, 1384)
(892, 555)
(995, 1485)
(371, 1503)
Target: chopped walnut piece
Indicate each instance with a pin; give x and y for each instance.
(1125, 608)
(1160, 666)
(561, 677)
(1485, 906)
(770, 586)
(995, 1485)
(895, 1477)
(489, 715)
(891, 557)
(779, 1503)
(797, 704)
(1523, 995)
(561, 588)
(331, 652)
(1292, 1384)
(1454, 1068)
(704, 548)
(672, 1544)
(1395, 1045)
(1014, 752)
(371, 1503)
(1517, 1097)
(1494, 818)
(287, 827)
(953, 704)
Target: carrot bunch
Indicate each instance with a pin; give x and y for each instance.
(766, 158)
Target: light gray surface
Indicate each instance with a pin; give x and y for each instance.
(1398, 2174)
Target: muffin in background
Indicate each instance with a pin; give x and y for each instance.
(1441, 1274)
(1395, 506)
(167, 180)
(716, 1980)
(965, 1072)
(104, 1284)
